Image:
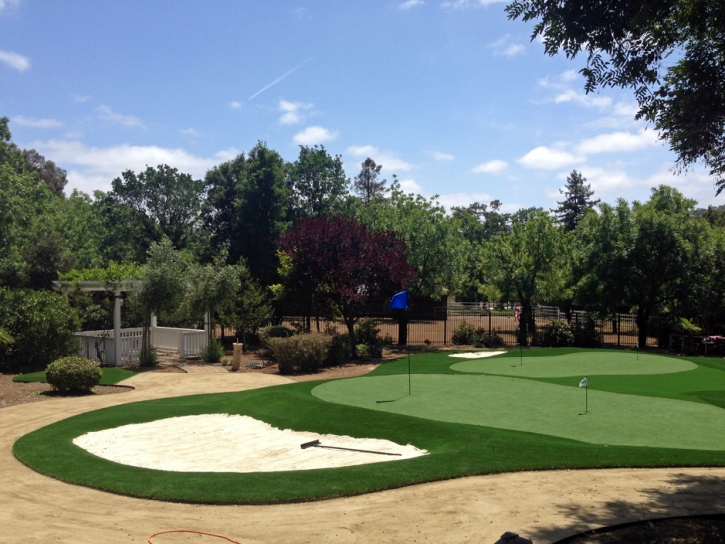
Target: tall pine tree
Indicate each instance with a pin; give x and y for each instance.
(576, 202)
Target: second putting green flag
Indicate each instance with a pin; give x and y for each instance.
(583, 383)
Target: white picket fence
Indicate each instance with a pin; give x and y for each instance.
(100, 345)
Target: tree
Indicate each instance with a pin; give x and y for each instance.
(250, 308)
(627, 42)
(640, 257)
(317, 183)
(162, 200)
(366, 184)
(246, 209)
(434, 245)
(576, 202)
(54, 177)
(164, 285)
(518, 263)
(347, 263)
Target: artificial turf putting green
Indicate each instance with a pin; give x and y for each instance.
(538, 407)
(109, 376)
(455, 449)
(576, 364)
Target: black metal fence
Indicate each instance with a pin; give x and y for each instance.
(437, 328)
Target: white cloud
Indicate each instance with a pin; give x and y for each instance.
(618, 141)
(314, 135)
(565, 93)
(81, 98)
(463, 200)
(491, 167)
(505, 47)
(462, 4)
(193, 133)
(36, 123)
(388, 161)
(15, 60)
(437, 155)
(410, 186)
(6, 3)
(546, 158)
(107, 114)
(235, 105)
(292, 112)
(91, 168)
(408, 4)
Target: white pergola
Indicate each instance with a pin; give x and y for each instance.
(115, 287)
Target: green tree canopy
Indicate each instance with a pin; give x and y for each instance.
(317, 183)
(577, 200)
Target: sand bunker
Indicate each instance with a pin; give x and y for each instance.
(231, 443)
(477, 354)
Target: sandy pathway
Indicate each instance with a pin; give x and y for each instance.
(544, 506)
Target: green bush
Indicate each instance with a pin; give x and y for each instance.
(300, 353)
(558, 334)
(368, 334)
(363, 352)
(339, 352)
(463, 334)
(75, 374)
(275, 331)
(41, 323)
(585, 333)
(148, 357)
(483, 339)
(213, 351)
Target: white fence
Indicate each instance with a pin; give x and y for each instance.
(100, 345)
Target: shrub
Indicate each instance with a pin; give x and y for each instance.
(339, 351)
(368, 334)
(463, 334)
(41, 323)
(275, 331)
(586, 335)
(75, 374)
(148, 357)
(300, 353)
(213, 351)
(483, 339)
(363, 352)
(557, 334)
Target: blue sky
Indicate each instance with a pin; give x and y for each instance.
(449, 95)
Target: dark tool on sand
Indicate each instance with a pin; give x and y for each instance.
(316, 444)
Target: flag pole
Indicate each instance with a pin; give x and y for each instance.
(586, 398)
(409, 393)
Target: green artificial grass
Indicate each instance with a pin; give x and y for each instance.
(587, 363)
(455, 448)
(110, 376)
(537, 407)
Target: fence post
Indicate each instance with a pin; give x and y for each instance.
(489, 322)
(619, 329)
(445, 330)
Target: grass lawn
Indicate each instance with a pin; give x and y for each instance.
(471, 423)
(110, 376)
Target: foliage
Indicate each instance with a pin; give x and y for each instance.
(301, 352)
(317, 183)
(273, 331)
(73, 374)
(148, 357)
(483, 339)
(53, 176)
(113, 272)
(556, 334)
(339, 352)
(249, 307)
(368, 334)
(585, 333)
(42, 324)
(345, 263)
(213, 351)
(366, 183)
(5, 337)
(210, 287)
(627, 41)
(517, 263)
(463, 334)
(576, 202)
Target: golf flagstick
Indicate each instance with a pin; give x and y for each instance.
(585, 384)
(409, 393)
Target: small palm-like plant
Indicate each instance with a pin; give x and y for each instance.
(5, 337)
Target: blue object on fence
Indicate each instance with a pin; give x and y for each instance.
(400, 301)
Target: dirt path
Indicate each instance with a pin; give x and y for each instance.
(544, 506)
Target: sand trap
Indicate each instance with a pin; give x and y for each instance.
(477, 354)
(231, 443)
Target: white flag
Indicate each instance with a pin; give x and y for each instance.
(583, 383)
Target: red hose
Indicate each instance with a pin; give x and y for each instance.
(192, 531)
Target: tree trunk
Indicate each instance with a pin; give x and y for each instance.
(350, 323)
(642, 321)
(145, 339)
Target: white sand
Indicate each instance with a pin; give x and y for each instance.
(231, 443)
(477, 354)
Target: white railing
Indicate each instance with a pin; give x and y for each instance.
(100, 346)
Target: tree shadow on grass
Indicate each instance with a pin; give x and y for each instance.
(680, 495)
